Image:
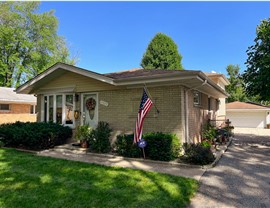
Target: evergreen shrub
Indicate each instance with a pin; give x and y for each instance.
(35, 136)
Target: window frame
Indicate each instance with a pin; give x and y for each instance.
(5, 110)
(46, 106)
(197, 96)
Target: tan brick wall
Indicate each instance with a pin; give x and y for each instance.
(121, 113)
(18, 112)
(197, 116)
(17, 109)
(12, 118)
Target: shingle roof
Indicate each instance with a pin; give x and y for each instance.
(244, 105)
(137, 72)
(8, 95)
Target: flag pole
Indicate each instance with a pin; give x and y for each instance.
(145, 87)
(143, 153)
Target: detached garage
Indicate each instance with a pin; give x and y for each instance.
(248, 115)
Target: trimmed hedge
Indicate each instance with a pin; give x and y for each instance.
(125, 147)
(35, 136)
(160, 146)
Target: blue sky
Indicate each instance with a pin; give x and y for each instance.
(113, 36)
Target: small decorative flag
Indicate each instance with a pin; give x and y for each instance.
(145, 106)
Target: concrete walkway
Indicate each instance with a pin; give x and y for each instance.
(241, 178)
(109, 160)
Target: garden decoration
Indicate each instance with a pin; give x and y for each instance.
(142, 144)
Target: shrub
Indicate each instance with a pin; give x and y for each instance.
(197, 154)
(125, 147)
(36, 136)
(100, 138)
(83, 132)
(160, 146)
(209, 133)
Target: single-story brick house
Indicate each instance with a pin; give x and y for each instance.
(16, 107)
(74, 96)
(248, 114)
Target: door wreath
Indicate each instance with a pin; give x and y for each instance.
(91, 105)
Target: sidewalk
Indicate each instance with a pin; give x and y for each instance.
(172, 168)
(147, 165)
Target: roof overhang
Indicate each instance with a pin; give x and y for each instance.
(18, 102)
(248, 110)
(191, 79)
(57, 70)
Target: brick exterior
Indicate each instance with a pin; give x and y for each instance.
(121, 113)
(17, 112)
(175, 111)
(198, 115)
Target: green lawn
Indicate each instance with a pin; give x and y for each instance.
(28, 180)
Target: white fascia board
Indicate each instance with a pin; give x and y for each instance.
(212, 84)
(18, 102)
(247, 110)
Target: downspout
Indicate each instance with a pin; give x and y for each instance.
(187, 139)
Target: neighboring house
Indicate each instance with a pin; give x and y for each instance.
(247, 114)
(16, 107)
(74, 96)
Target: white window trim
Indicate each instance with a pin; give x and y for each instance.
(54, 108)
(199, 103)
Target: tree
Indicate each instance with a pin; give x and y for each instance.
(236, 86)
(28, 42)
(257, 74)
(161, 53)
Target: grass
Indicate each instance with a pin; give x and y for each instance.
(27, 180)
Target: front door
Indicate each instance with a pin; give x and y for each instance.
(89, 106)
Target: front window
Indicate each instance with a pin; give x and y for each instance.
(4, 107)
(59, 109)
(197, 98)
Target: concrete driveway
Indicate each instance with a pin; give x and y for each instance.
(242, 176)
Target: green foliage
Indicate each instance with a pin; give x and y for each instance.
(83, 132)
(209, 132)
(162, 53)
(29, 43)
(206, 144)
(125, 147)
(236, 87)
(160, 146)
(34, 136)
(197, 154)
(257, 74)
(100, 138)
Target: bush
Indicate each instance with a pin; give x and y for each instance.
(197, 154)
(209, 133)
(100, 138)
(36, 136)
(125, 147)
(160, 146)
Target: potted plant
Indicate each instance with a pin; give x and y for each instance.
(83, 134)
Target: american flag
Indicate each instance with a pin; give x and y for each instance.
(145, 106)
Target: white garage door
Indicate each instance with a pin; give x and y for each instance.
(247, 119)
